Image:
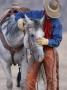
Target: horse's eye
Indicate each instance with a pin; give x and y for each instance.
(32, 35)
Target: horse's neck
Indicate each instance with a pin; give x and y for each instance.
(12, 41)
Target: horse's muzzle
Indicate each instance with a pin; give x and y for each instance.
(38, 53)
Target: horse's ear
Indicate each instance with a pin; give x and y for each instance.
(42, 19)
(28, 20)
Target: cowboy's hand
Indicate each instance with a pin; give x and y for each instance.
(42, 41)
(21, 23)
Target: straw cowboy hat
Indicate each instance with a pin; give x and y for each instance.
(52, 8)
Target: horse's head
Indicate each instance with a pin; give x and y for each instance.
(34, 30)
(13, 35)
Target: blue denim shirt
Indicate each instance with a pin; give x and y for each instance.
(31, 14)
(57, 33)
(56, 30)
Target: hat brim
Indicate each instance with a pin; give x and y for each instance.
(51, 12)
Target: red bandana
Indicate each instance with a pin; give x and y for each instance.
(48, 28)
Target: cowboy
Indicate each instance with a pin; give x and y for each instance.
(53, 36)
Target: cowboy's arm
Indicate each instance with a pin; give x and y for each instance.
(57, 35)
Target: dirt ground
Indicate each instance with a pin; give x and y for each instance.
(63, 70)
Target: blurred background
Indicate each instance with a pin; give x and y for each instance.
(62, 49)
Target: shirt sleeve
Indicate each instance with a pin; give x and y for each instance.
(33, 14)
(57, 34)
(19, 15)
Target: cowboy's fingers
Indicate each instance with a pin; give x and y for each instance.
(42, 38)
(39, 39)
(39, 42)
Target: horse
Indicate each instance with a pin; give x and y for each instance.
(15, 38)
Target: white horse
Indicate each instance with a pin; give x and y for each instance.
(15, 38)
